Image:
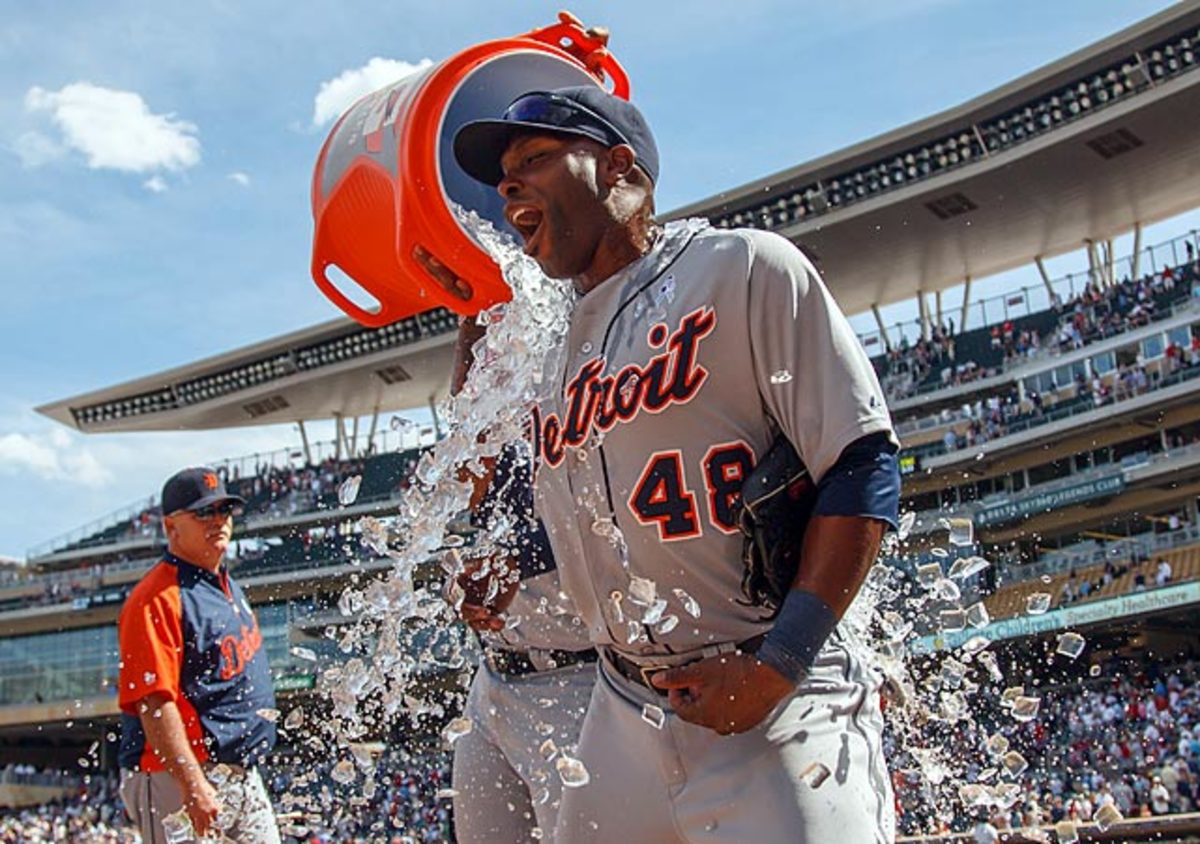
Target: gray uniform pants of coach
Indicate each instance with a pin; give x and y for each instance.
(505, 786)
(685, 783)
(151, 797)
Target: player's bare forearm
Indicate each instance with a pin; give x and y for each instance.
(838, 552)
(167, 736)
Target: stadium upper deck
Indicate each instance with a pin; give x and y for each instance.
(1078, 151)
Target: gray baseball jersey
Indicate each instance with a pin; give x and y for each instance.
(678, 372)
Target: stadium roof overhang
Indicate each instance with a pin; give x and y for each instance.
(334, 369)
(1092, 177)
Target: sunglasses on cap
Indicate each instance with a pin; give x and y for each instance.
(553, 111)
(224, 509)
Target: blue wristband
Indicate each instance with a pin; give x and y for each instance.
(804, 623)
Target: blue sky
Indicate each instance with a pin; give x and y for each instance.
(155, 162)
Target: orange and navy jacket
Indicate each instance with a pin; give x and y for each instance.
(190, 634)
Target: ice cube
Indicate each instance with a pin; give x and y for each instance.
(1070, 645)
(348, 491)
(572, 772)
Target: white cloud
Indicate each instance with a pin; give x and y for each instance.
(115, 130)
(51, 456)
(155, 184)
(35, 149)
(338, 94)
(241, 178)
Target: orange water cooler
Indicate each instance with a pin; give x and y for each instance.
(386, 175)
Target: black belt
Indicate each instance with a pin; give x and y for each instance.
(640, 673)
(518, 664)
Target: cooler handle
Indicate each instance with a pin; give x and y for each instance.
(588, 46)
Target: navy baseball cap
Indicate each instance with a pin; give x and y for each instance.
(587, 111)
(195, 489)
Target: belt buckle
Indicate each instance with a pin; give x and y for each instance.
(648, 671)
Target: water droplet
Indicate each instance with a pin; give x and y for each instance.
(149, 677)
(294, 719)
(304, 653)
(572, 772)
(781, 376)
(548, 749)
(446, 793)
(348, 491)
(267, 714)
(668, 624)
(907, 520)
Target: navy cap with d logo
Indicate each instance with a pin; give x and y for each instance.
(194, 489)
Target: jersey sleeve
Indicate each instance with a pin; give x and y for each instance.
(150, 638)
(815, 380)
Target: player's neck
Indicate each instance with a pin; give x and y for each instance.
(617, 250)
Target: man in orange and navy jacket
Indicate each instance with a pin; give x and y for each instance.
(195, 686)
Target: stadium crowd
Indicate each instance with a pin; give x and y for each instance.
(1094, 314)
(1132, 739)
(93, 814)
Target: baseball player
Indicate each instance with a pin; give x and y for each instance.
(690, 350)
(532, 686)
(195, 685)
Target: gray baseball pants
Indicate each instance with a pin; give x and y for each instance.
(150, 797)
(507, 791)
(812, 773)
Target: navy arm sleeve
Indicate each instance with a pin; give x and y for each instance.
(865, 481)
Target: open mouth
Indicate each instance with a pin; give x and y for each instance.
(527, 220)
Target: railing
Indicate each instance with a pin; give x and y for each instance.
(1145, 544)
(1065, 409)
(1028, 300)
(1027, 366)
